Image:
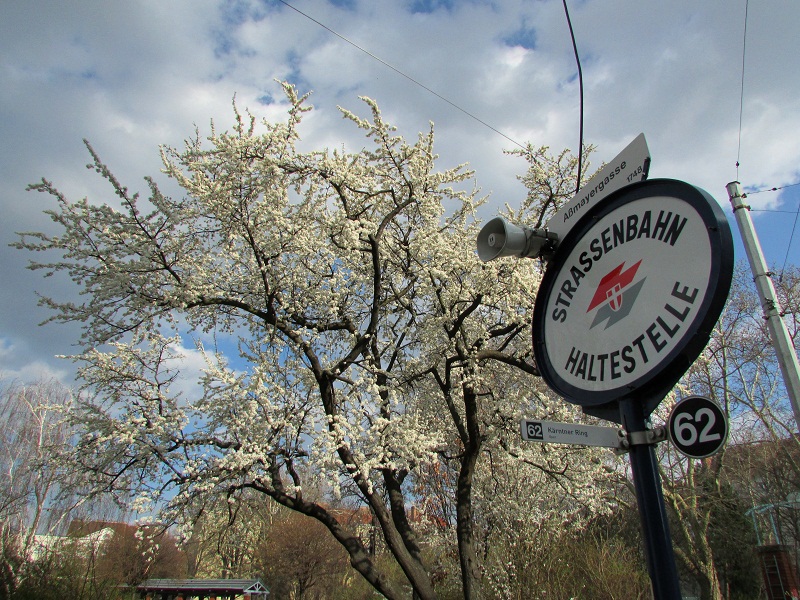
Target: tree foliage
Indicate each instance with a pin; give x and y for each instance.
(709, 499)
(36, 494)
(365, 372)
(350, 335)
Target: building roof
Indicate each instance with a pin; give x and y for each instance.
(81, 527)
(204, 586)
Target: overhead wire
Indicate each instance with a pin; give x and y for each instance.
(580, 86)
(581, 99)
(741, 89)
(739, 144)
(796, 214)
(791, 238)
(772, 189)
(453, 104)
(403, 74)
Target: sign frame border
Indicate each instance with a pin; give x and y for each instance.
(653, 386)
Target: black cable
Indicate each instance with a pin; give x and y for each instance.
(772, 189)
(796, 214)
(791, 237)
(580, 85)
(741, 93)
(399, 72)
(456, 106)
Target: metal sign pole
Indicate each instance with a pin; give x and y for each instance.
(787, 356)
(652, 511)
(636, 280)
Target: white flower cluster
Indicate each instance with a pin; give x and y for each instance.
(357, 340)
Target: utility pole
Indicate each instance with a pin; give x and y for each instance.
(787, 355)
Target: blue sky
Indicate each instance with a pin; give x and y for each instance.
(130, 76)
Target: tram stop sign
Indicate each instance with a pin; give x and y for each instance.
(631, 295)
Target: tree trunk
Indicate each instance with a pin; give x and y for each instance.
(467, 554)
(400, 544)
(710, 588)
(465, 529)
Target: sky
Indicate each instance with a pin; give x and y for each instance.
(131, 76)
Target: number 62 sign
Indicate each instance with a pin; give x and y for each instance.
(697, 427)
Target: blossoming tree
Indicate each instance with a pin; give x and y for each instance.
(350, 333)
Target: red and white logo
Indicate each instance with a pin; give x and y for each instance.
(615, 295)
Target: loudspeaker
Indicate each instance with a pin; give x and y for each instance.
(500, 238)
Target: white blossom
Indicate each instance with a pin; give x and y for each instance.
(371, 344)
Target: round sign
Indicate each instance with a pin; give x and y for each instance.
(697, 427)
(632, 293)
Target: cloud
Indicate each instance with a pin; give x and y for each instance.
(15, 367)
(135, 75)
(191, 365)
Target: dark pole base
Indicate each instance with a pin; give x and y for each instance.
(652, 511)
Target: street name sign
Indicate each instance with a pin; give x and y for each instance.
(552, 432)
(629, 166)
(631, 295)
(697, 427)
